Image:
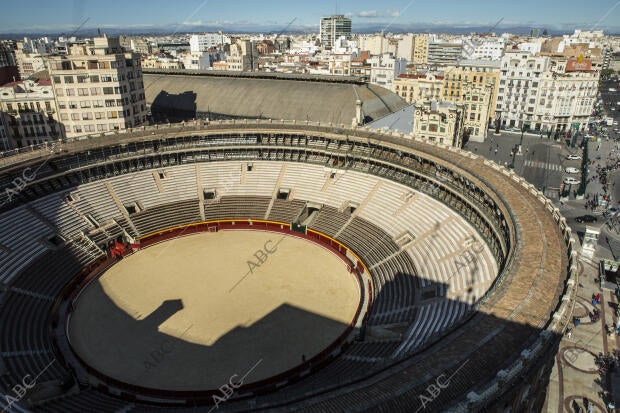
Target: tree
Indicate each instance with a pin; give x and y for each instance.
(607, 72)
(584, 169)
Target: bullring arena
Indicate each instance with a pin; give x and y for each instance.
(406, 275)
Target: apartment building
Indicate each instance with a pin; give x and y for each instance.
(333, 27)
(420, 49)
(483, 73)
(412, 47)
(385, 68)
(161, 61)
(472, 84)
(204, 42)
(98, 88)
(28, 63)
(243, 56)
(29, 114)
(419, 87)
(5, 144)
(490, 48)
(375, 44)
(443, 53)
(567, 95)
(8, 67)
(521, 74)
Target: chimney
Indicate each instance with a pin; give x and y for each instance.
(358, 112)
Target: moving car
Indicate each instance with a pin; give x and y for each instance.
(573, 157)
(571, 170)
(586, 218)
(571, 181)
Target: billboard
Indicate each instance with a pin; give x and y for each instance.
(574, 65)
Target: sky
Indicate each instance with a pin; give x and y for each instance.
(180, 15)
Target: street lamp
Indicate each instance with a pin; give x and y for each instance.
(521, 141)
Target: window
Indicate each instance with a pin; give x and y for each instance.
(110, 103)
(82, 78)
(112, 114)
(106, 78)
(108, 90)
(56, 79)
(64, 116)
(60, 92)
(85, 104)
(89, 128)
(97, 103)
(87, 116)
(94, 91)
(83, 91)
(75, 116)
(94, 78)
(117, 89)
(70, 92)
(99, 115)
(68, 79)
(77, 129)
(72, 105)
(432, 128)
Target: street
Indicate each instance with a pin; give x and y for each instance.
(543, 162)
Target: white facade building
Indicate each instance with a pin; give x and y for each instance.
(29, 114)
(546, 94)
(483, 48)
(203, 42)
(521, 74)
(384, 68)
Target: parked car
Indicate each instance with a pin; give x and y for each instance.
(573, 157)
(586, 218)
(571, 170)
(569, 180)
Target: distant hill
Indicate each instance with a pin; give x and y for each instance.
(299, 29)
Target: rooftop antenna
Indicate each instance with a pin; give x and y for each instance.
(98, 31)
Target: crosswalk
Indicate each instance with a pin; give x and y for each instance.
(543, 165)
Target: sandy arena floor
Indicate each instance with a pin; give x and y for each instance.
(188, 314)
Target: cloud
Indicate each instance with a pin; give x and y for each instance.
(368, 14)
(392, 12)
(371, 14)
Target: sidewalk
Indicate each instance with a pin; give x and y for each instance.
(575, 375)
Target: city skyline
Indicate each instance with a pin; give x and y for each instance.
(275, 15)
